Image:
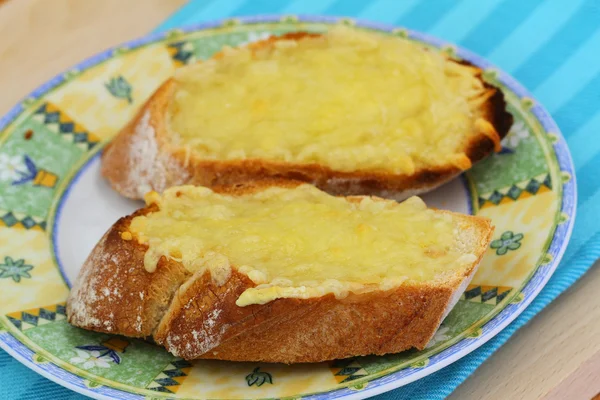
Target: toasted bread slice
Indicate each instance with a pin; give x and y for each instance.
(334, 110)
(397, 284)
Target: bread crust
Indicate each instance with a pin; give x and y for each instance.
(140, 158)
(194, 317)
(115, 294)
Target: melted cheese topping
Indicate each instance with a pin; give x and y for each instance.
(299, 242)
(349, 99)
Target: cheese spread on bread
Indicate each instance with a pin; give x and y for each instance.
(347, 99)
(299, 242)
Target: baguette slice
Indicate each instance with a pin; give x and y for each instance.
(195, 315)
(146, 155)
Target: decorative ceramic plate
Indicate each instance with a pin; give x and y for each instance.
(54, 207)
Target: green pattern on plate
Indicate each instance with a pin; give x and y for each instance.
(15, 269)
(522, 158)
(49, 152)
(140, 361)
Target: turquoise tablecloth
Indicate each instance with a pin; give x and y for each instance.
(552, 47)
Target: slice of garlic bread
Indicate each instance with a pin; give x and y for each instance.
(278, 272)
(350, 111)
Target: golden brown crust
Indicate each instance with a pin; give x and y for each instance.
(132, 171)
(389, 321)
(114, 292)
(193, 317)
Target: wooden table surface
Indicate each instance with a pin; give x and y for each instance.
(41, 38)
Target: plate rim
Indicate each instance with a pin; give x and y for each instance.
(557, 244)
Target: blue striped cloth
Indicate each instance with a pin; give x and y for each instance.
(552, 47)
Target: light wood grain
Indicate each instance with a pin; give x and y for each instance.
(41, 38)
(582, 383)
